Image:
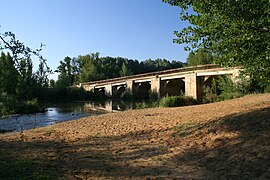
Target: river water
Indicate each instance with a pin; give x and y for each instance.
(59, 112)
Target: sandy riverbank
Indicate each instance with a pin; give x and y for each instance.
(229, 139)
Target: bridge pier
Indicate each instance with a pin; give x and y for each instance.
(108, 89)
(191, 85)
(194, 85)
(155, 85)
(129, 86)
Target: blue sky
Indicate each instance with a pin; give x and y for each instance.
(135, 29)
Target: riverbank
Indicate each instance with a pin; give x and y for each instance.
(228, 139)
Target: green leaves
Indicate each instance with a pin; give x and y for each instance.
(236, 30)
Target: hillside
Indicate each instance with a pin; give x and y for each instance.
(224, 140)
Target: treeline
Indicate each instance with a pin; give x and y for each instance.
(91, 67)
(20, 85)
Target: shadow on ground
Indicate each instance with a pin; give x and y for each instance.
(236, 146)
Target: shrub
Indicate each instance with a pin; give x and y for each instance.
(69, 94)
(267, 89)
(228, 90)
(153, 96)
(210, 95)
(223, 88)
(175, 101)
(126, 95)
(29, 106)
(9, 104)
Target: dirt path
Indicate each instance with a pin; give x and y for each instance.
(224, 140)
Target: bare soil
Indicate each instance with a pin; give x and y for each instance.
(224, 140)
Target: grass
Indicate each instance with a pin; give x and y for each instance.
(11, 168)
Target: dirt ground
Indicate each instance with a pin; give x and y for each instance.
(224, 140)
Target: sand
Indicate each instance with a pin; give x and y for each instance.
(223, 140)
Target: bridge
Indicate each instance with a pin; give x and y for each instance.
(189, 80)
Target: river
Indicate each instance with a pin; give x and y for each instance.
(59, 112)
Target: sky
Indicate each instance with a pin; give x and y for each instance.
(134, 29)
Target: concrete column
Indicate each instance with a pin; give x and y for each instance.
(200, 84)
(155, 85)
(191, 85)
(129, 87)
(109, 106)
(108, 89)
(235, 75)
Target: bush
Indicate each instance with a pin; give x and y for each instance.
(69, 94)
(29, 106)
(229, 90)
(153, 96)
(267, 89)
(210, 95)
(126, 96)
(223, 88)
(9, 104)
(175, 101)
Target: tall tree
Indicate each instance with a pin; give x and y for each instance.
(89, 70)
(199, 57)
(124, 70)
(66, 75)
(26, 81)
(238, 31)
(8, 74)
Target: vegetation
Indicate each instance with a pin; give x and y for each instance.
(91, 67)
(175, 101)
(69, 94)
(230, 33)
(223, 88)
(200, 57)
(19, 84)
(126, 96)
(236, 31)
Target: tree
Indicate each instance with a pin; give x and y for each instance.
(199, 57)
(26, 85)
(8, 74)
(18, 50)
(89, 71)
(17, 76)
(52, 83)
(125, 71)
(42, 76)
(238, 31)
(65, 70)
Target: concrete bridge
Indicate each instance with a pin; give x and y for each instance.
(189, 80)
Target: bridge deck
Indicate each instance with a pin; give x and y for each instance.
(170, 71)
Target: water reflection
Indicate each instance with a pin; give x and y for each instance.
(59, 112)
(109, 106)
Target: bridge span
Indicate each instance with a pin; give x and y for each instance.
(189, 80)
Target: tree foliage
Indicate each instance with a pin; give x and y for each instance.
(200, 57)
(20, 85)
(238, 31)
(91, 67)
